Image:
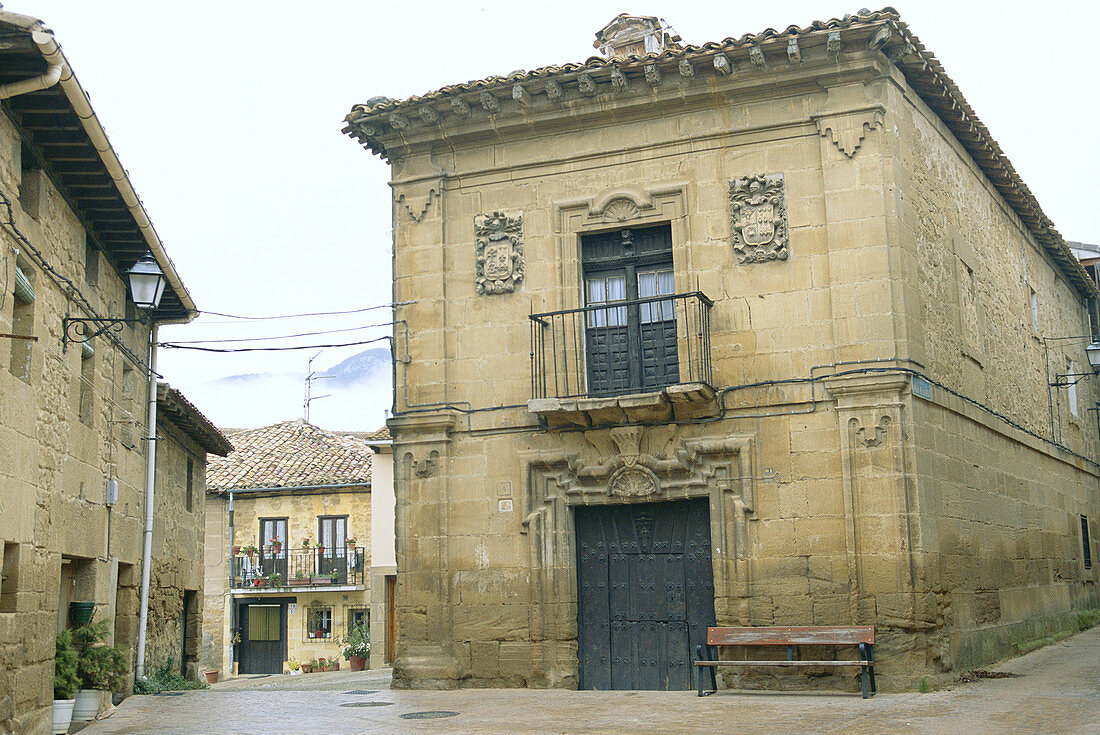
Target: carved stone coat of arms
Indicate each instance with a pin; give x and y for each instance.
(758, 218)
(499, 252)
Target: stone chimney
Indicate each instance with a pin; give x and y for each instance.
(634, 34)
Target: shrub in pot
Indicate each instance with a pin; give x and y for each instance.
(356, 646)
(65, 682)
(100, 668)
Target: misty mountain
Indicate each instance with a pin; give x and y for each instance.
(364, 366)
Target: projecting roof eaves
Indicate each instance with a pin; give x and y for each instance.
(174, 406)
(63, 132)
(381, 120)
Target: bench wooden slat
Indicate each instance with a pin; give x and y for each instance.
(791, 636)
(847, 662)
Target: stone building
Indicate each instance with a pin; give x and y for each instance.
(761, 331)
(75, 390)
(288, 547)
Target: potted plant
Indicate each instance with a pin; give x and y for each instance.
(294, 667)
(357, 647)
(100, 668)
(334, 575)
(275, 580)
(306, 543)
(299, 579)
(249, 550)
(65, 682)
(350, 542)
(276, 545)
(236, 549)
(211, 676)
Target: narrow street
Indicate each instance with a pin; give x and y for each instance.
(1055, 690)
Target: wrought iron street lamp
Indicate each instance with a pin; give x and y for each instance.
(1093, 352)
(147, 284)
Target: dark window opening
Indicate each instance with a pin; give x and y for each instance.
(358, 616)
(189, 497)
(1086, 545)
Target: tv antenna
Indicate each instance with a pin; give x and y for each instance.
(311, 375)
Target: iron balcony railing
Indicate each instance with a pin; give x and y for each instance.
(620, 347)
(298, 568)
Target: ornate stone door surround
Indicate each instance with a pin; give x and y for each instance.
(630, 464)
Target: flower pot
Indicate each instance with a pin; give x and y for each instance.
(81, 612)
(211, 676)
(298, 582)
(307, 669)
(86, 705)
(62, 715)
(357, 663)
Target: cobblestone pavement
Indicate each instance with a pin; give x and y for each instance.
(1057, 691)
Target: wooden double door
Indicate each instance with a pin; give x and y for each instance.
(645, 592)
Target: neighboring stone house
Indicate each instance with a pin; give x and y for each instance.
(762, 331)
(74, 398)
(300, 497)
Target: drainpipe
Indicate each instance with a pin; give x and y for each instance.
(229, 602)
(150, 481)
(47, 80)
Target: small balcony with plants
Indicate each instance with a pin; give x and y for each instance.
(623, 361)
(274, 568)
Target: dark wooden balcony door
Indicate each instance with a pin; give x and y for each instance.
(271, 561)
(629, 347)
(645, 593)
(332, 531)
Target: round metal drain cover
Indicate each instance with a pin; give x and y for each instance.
(366, 704)
(429, 715)
(362, 691)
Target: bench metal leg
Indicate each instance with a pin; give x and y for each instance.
(871, 658)
(868, 670)
(702, 653)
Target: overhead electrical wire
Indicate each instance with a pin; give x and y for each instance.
(181, 346)
(176, 343)
(317, 313)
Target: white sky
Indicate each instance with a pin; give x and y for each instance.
(228, 115)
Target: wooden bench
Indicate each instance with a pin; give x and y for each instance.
(861, 636)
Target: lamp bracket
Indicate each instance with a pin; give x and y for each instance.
(79, 331)
(1064, 380)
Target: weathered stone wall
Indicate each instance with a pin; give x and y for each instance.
(57, 460)
(999, 508)
(178, 540)
(216, 651)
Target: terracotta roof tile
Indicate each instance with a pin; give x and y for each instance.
(290, 454)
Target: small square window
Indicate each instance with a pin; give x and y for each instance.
(318, 622)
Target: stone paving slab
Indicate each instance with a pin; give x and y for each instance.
(1057, 691)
